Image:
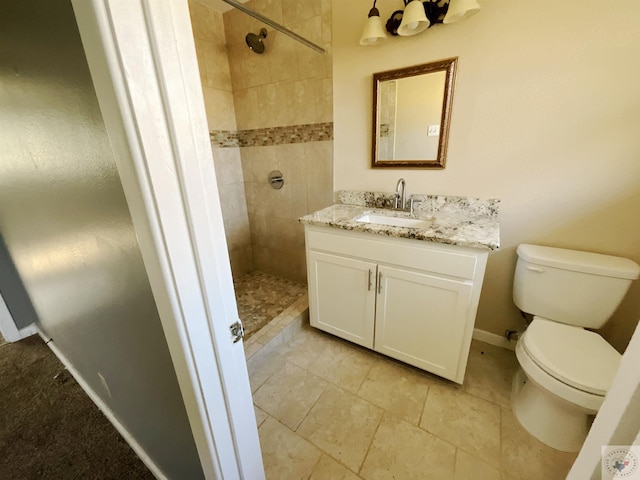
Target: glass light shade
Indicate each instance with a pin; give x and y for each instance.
(414, 20)
(373, 32)
(460, 9)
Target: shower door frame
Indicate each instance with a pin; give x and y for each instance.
(143, 64)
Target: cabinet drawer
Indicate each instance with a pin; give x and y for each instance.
(415, 254)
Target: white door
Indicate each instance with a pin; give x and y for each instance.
(420, 319)
(342, 296)
(143, 64)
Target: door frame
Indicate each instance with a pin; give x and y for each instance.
(143, 64)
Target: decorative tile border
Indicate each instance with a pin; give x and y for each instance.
(224, 138)
(261, 137)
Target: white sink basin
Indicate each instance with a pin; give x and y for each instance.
(394, 221)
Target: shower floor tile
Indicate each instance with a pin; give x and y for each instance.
(262, 297)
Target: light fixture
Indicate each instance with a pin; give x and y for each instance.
(373, 32)
(417, 16)
(414, 19)
(460, 9)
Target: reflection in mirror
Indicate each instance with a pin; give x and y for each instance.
(411, 115)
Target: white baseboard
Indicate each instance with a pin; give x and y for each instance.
(493, 339)
(104, 408)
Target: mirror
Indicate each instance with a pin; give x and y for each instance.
(411, 113)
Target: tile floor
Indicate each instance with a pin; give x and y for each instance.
(328, 409)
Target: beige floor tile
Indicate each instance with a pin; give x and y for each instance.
(306, 347)
(289, 394)
(526, 458)
(464, 420)
(342, 425)
(490, 371)
(469, 467)
(285, 454)
(398, 389)
(261, 415)
(262, 365)
(404, 451)
(329, 469)
(343, 364)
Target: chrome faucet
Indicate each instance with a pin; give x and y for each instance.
(401, 197)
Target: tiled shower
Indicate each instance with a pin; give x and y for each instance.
(270, 111)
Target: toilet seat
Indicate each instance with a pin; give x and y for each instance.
(577, 357)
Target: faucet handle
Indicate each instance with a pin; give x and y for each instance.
(412, 202)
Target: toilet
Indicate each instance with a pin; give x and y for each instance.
(565, 368)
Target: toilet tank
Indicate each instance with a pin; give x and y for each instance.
(569, 286)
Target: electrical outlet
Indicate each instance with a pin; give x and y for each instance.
(433, 130)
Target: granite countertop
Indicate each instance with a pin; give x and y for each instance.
(463, 221)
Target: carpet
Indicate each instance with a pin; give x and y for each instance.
(49, 428)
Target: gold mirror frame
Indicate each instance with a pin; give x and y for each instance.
(448, 66)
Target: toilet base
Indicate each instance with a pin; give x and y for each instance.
(551, 420)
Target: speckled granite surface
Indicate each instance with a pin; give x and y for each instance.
(463, 221)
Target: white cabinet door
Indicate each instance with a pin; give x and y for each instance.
(421, 319)
(342, 296)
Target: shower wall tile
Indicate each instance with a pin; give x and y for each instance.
(262, 137)
(224, 138)
(237, 232)
(309, 64)
(216, 65)
(291, 160)
(310, 28)
(277, 104)
(248, 114)
(296, 11)
(228, 165)
(288, 202)
(237, 24)
(232, 200)
(281, 66)
(284, 115)
(209, 37)
(241, 260)
(257, 162)
(215, 75)
(288, 265)
(319, 170)
(220, 109)
(278, 233)
(326, 20)
(205, 22)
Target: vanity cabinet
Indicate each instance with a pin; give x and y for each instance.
(412, 300)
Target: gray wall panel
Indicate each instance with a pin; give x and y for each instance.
(67, 228)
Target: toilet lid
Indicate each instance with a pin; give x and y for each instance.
(573, 355)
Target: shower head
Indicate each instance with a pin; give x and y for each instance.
(255, 41)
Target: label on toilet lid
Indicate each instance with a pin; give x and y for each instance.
(573, 355)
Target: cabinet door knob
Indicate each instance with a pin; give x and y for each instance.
(379, 282)
(369, 287)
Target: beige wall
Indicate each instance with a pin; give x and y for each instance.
(208, 32)
(289, 84)
(546, 117)
(420, 101)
